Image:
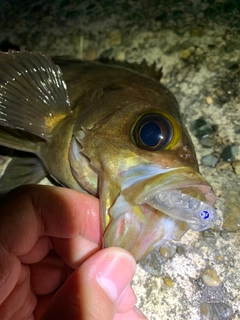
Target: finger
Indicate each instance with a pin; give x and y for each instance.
(41, 210)
(40, 249)
(133, 314)
(45, 210)
(95, 290)
(21, 302)
(42, 305)
(75, 250)
(49, 274)
(128, 300)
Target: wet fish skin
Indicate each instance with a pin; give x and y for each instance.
(79, 120)
(100, 96)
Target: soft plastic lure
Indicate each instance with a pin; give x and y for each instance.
(197, 214)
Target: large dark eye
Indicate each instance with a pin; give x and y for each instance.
(152, 132)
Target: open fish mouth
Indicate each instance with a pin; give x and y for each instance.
(161, 208)
(198, 214)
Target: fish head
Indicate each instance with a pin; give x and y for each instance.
(133, 151)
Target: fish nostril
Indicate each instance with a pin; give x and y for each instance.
(185, 153)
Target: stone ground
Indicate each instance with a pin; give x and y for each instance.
(198, 44)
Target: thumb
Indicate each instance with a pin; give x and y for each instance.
(96, 289)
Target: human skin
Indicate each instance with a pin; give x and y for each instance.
(51, 262)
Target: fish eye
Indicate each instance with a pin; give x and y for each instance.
(152, 132)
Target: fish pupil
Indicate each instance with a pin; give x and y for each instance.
(150, 134)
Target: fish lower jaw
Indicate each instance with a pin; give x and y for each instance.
(142, 229)
(159, 216)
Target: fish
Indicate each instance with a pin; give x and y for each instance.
(111, 130)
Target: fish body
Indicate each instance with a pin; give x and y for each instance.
(108, 131)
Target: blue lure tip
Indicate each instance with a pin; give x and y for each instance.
(205, 214)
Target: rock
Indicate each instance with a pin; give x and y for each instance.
(168, 281)
(121, 56)
(211, 66)
(200, 283)
(209, 233)
(236, 166)
(196, 32)
(229, 153)
(201, 128)
(209, 160)
(224, 235)
(106, 53)
(167, 251)
(185, 54)
(216, 311)
(209, 100)
(152, 264)
(211, 278)
(114, 38)
(90, 55)
(207, 142)
(180, 250)
(231, 212)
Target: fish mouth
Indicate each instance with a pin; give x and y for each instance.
(190, 202)
(160, 208)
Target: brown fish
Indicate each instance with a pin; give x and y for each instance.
(109, 131)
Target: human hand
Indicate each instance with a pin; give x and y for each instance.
(51, 265)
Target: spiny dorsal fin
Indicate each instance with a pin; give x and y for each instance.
(142, 68)
(33, 95)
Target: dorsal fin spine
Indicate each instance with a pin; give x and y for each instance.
(142, 68)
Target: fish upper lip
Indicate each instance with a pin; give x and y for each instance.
(179, 178)
(202, 188)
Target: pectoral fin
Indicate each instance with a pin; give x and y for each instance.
(21, 170)
(33, 95)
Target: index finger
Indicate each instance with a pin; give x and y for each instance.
(32, 211)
